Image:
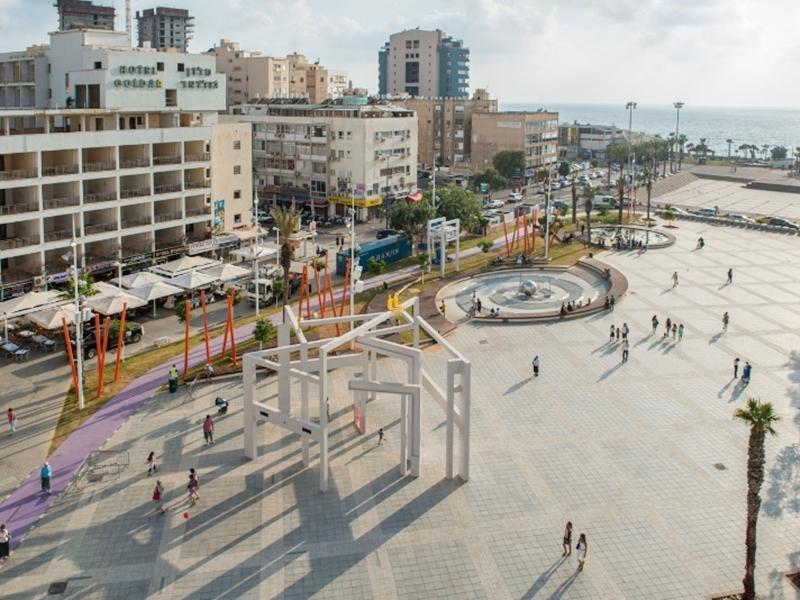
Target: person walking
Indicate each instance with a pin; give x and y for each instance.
(478, 305)
(674, 330)
(45, 474)
(581, 548)
(380, 436)
(151, 464)
(675, 279)
(5, 543)
(173, 379)
(193, 486)
(193, 473)
(625, 331)
(158, 497)
(567, 542)
(12, 421)
(654, 321)
(725, 320)
(619, 333)
(680, 332)
(736, 368)
(746, 372)
(536, 366)
(730, 276)
(612, 332)
(625, 351)
(208, 430)
(668, 328)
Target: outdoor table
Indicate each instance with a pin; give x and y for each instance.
(46, 343)
(21, 354)
(25, 333)
(10, 348)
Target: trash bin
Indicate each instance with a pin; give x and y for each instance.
(173, 386)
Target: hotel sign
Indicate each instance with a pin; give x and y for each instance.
(138, 82)
(200, 83)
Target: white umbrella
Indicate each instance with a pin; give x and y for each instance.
(193, 281)
(105, 290)
(151, 292)
(255, 252)
(136, 280)
(113, 305)
(227, 272)
(50, 318)
(183, 265)
(25, 303)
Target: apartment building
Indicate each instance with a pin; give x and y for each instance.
(321, 155)
(313, 80)
(423, 63)
(78, 14)
(125, 154)
(535, 133)
(445, 126)
(164, 28)
(587, 141)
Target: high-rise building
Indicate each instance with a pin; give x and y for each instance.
(119, 148)
(165, 28)
(319, 155)
(423, 63)
(82, 14)
(534, 133)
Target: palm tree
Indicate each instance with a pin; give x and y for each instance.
(588, 196)
(681, 143)
(287, 222)
(797, 158)
(621, 193)
(765, 151)
(574, 190)
(689, 148)
(673, 142)
(743, 148)
(649, 186)
(760, 417)
(729, 141)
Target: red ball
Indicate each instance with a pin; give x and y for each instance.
(186, 515)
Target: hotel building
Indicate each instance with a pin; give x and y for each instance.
(534, 133)
(120, 146)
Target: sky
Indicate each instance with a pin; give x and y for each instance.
(704, 52)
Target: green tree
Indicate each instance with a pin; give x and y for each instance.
(797, 158)
(411, 217)
(564, 169)
(617, 153)
(574, 189)
(588, 197)
(729, 141)
(263, 332)
(486, 247)
(648, 174)
(779, 153)
(85, 287)
(456, 202)
(180, 310)
(376, 266)
(621, 182)
(424, 260)
(507, 162)
(287, 221)
(681, 145)
(760, 417)
(113, 332)
(491, 177)
(667, 213)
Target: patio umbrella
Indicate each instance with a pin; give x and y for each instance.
(50, 318)
(25, 303)
(193, 281)
(255, 252)
(227, 272)
(183, 265)
(113, 305)
(151, 292)
(135, 280)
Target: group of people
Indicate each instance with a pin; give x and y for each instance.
(747, 370)
(671, 328)
(192, 488)
(580, 548)
(621, 334)
(609, 302)
(572, 305)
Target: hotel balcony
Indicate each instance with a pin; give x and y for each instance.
(100, 221)
(134, 156)
(167, 154)
(22, 165)
(134, 186)
(59, 162)
(61, 195)
(198, 212)
(136, 216)
(19, 234)
(99, 190)
(16, 201)
(167, 182)
(59, 228)
(99, 159)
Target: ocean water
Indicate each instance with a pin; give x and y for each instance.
(759, 126)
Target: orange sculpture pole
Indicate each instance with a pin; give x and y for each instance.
(233, 333)
(70, 355)
(187, 313)
(205, 325)
(101, 376)
(120, 340)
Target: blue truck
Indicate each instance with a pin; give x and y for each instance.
(390, 249)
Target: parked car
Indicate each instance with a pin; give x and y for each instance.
(133, 335)
(678, 211)
(604, 202)
(384, 233)
(705, 212)
(495, 204)
(514, 197)
(740, 217)
(778, 222)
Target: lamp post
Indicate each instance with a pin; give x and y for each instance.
(255, 248)
(352, 256)
(119, 267)
(78, 316)
(678, 106)
(631, 106)
(547, 215)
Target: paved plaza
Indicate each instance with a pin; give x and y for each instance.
(645, 458)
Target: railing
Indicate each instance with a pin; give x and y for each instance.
(203, 157)
(196, 185)
(60, 170)
(93, 167)
(54, 236)
(167, 160)
(18, 242)
(128, 223)
(18, 174)
(168, 217)
(100, 197)
(167, 188)
(14, 209)
(136, 250)
(61, 202)
(174, 243)
(134, 193)
(132, 163)
(101, 228)
(17, 275)
(196, 212)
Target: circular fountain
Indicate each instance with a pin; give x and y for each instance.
(630, 236)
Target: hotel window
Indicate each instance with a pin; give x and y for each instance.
(237, 194)
(237, 218)
(237, 169)
(237, 144)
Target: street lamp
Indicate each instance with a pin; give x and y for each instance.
(678, 106)
(352, 256)
(255, 248)
(631, 106)
(547, 214)
(73, 254)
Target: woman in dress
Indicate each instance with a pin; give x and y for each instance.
(567, 544)
(158, 497)
(581, 548)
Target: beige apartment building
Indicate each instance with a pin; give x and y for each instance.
(535, 133)
(250, 76)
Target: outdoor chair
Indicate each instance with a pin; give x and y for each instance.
(22, 354)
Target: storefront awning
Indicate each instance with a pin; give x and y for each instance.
(359, 202)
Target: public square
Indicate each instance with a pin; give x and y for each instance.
(645, 458)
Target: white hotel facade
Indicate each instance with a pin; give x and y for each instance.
(124, 145)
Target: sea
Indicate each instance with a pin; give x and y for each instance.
(759, 126)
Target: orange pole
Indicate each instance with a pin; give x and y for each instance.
(102, 374)
(121, 340)
(187, 312)
(225, 335)
(345, 287)
(70, 356)
(307, 285)
(98, 338)
(329, 286)
(205, 325)
(233, 333)
(320, 297)
(505, 234)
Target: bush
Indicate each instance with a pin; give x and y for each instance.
(376, 266)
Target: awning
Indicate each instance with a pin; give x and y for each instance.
(359, 202)
(155, 291)
(27, 302)
(135, 280)
(183, 265)
(114, 305)
(227, 272)
(193, 281)
(50, 318)
(255, 252)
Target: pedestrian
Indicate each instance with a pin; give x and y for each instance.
(12, 421)
(151, 464)
(625, 351)
(478, 305)
(158, 497)
(674, 330)
(567, 542)
(668, 328)
(208, 430)
(625, 331)
(612, 332)
(654, 321)
(730, 276)
(173, 379)
(536, 366)
(736, 367)
(581, 548)
(746, 371)
(45, 474)
(725, 320)
(612, 302)
(380, 436)
(193, 486)
(193, 473)
(680, 332)
(675, 279)
(619, 333)
(5, 543)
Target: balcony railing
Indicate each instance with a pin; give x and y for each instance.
(134, 193)
(202, 157)
(15, 209)
(167, 188)
(100, 197)
(93, 167)
(144, 247)
(18, 174)
(167, 160)
(10, 276)
(60, 170)
(168, 217)
(172, 243)
(132, 163)
(99, 228)
(128, 223)
(54, 236)
(196, 212)
(18, 242)
(61, 202)
(197, 185)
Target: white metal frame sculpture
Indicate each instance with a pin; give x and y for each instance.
(363, 345)
(442, 231)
